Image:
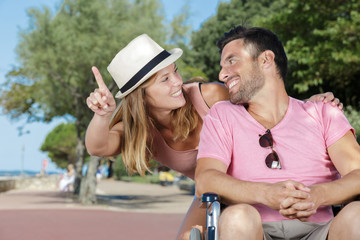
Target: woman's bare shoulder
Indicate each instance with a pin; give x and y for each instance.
(214, 92)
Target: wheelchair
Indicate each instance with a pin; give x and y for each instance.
(212, 203)
(213, 208)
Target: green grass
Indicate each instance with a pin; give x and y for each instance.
(139, 179)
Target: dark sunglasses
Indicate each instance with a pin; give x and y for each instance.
(272, 160)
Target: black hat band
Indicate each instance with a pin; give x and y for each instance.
(145, 70)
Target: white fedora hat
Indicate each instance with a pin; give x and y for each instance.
(138, 61)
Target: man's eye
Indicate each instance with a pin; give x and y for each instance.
(165, 79)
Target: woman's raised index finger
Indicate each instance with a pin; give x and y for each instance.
(98, 78)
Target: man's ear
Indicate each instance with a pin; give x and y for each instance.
(267, 58)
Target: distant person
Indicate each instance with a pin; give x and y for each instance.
(110, 165)
(98, 174)
(101, 170)
(278, 162)
(67, 180)
(158, 117)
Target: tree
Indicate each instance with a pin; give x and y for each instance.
(322, 42)
(88, 185)
(60, 144)
(119, 168)
(179, 37)
(354, 118)
(229, 14)
(56, 52)
(321, 39)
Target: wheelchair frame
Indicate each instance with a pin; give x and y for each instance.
(212, 203)
(213, 208)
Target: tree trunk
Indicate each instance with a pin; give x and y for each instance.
(80, 148)
(88, 185)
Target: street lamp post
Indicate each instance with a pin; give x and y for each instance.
(21, 133)
(22, 159)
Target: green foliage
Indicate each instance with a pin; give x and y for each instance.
(229, 14)
(322, 42)
(321, 39)
(121, 173)
(119, 168)
(180, 32)
(56, 52)
(145, 179)
(354, 118)
(60, 144)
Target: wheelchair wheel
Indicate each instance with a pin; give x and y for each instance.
(195, 234)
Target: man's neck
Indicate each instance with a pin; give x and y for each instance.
(269, 109)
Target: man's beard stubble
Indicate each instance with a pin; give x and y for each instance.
(250, 84)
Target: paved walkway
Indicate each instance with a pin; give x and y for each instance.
(124, 211)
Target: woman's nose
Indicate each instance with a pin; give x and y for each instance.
(177, 80)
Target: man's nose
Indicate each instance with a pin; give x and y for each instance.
(223, 75)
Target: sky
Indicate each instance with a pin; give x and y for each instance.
(23, 152)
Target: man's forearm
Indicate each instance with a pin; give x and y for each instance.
(338, 192)
(230, 190)
(211, 176)
(234, 191)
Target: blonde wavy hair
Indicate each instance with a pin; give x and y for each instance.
(136, 140)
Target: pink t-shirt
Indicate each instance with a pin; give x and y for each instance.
(231, 135)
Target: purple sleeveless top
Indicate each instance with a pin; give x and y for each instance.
(181, 161)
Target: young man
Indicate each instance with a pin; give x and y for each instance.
(276, 160)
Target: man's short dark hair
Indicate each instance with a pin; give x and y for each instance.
(260, 39)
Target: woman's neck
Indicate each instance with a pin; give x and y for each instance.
(162, 120)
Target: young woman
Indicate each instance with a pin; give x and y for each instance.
(158, 117)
